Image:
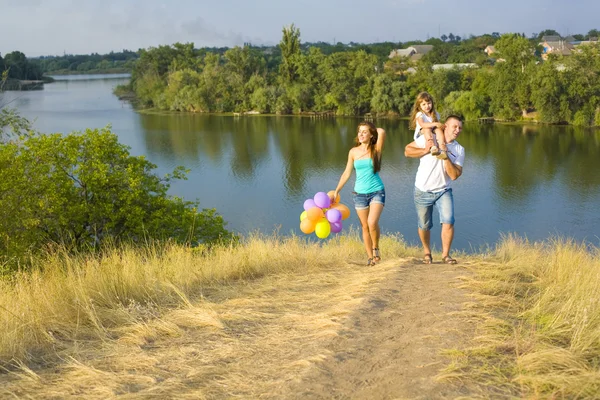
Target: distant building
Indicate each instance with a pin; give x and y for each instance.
(489, 50)
(414, 53)
(412, 70)
(551, 38)
(560, 47)
(457, 65)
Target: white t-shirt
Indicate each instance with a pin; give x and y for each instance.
(425, 118)
(431, 175)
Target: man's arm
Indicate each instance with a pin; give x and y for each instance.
(453, 170)
(413, 151)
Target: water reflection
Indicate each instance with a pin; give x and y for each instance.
(257, 170)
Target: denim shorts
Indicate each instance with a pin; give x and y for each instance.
(362, 201)
(443, 201)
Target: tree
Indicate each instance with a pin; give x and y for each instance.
(594, 33)
(547, 32)
(511, 84)
(83, 189)
(290, 51)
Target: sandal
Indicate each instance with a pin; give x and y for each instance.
(434, 150)
(376, 255)
(449, 260)
(427, 259)
(370, 262)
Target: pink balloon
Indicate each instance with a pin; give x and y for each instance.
(336, 226)
(322, 200)
(308, 204)
(333, 215)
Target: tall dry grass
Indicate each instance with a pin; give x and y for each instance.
(540, 335)
(69, 304)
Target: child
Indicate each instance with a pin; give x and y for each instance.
(425, 119)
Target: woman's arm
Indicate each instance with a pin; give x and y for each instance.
(345, 175)
(380, 139)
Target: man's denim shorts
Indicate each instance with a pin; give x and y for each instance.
(443, 201)
(363, 201)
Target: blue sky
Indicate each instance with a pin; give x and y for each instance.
(54, 27)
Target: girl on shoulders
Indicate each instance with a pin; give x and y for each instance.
(426, 121)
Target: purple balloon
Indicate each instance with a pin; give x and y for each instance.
(333, 215)
(336, 226)
(322, 200)
(308, 204)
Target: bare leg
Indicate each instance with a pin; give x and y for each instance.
(363, 216)
(447, 237)
(373, 221)
(440, 139)
(430, 138)
(425, 237)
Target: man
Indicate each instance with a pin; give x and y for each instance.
(433, 186)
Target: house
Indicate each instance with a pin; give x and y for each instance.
(559, 47)
(412, 70)
(592, 40)
(414, 53)
(489, 50)
(457, 65)
(551, 38)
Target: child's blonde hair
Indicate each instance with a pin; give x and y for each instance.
(423, 96)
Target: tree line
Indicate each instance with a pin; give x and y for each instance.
(359, 79)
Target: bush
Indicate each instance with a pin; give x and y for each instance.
(83, 189)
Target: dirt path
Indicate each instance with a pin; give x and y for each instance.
(343, 332)
(391, 347)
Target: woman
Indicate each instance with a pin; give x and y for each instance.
(369, 192)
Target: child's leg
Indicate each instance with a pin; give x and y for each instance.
(439, 135)
(429, 136)
(439, 138)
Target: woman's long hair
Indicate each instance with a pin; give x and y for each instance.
(423, 96)
(375, 155)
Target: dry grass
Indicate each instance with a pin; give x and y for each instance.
(167, 320)
(540, 307)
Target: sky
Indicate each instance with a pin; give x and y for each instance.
(57, 27)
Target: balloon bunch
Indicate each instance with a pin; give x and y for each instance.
(323, 216)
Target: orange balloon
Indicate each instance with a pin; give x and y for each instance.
(314, 214)
(343, 209)
(336, 200)
(307, 225)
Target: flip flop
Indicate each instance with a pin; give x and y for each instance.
(427, 259)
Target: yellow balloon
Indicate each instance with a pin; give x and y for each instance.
(307, 226)
(303, 215)
(322, 229)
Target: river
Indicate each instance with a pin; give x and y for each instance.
(533, 180)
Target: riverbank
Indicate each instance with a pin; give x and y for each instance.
(282, 317)
(18, 84)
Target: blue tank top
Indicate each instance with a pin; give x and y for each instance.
(366, 180)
